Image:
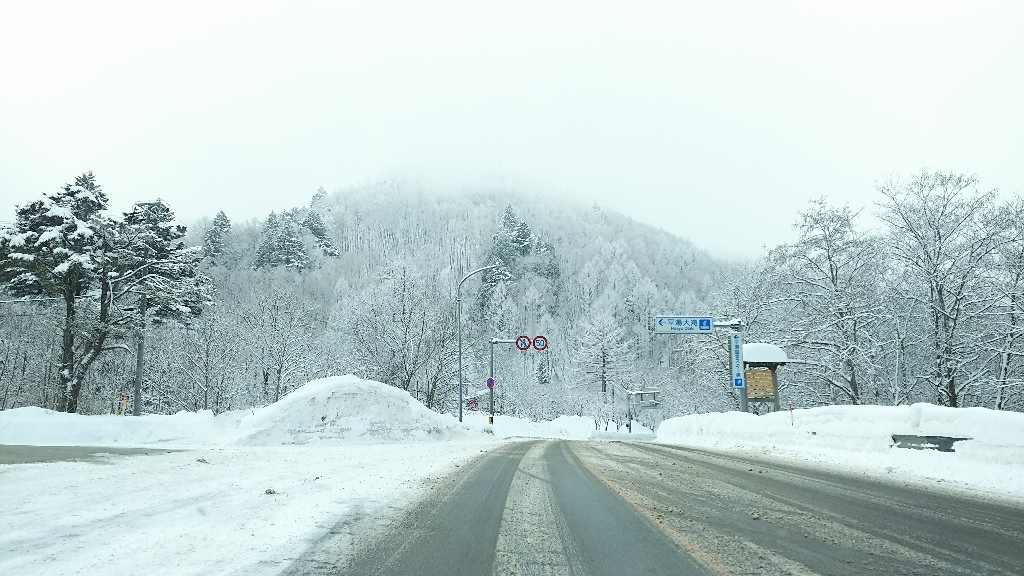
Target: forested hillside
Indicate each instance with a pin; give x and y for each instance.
(364, 279)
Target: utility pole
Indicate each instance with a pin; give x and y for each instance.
(458, 322)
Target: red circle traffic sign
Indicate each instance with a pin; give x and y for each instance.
(490, 382)
(523, 342)
(540, 343)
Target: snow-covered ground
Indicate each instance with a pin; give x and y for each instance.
(343, 448)
(332, 450)
(858, 440)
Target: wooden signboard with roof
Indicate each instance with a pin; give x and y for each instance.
(760, 363)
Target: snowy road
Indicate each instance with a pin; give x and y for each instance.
(25, 454)
(613, 508)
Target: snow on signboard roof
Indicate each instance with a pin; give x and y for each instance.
(762, 352)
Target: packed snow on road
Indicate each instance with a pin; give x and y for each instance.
(249, 491)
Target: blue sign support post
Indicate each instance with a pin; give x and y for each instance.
(739, 380)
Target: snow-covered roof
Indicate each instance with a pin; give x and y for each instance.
(762, 352)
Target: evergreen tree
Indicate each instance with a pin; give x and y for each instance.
(315, 224)
(318, 198)
(56, 248)
(155, 266)
(215, 239)
(281, 245)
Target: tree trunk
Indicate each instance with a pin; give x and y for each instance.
(68, 397)
(140, 351)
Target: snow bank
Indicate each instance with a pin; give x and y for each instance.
(37, 426)
(859, 438)
(563, 427)
(337, 409)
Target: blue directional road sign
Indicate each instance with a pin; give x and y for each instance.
(683, 325)
(736, 359)
(490, 382)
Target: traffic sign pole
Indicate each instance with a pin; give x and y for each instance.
(490, 379)
(739, 379)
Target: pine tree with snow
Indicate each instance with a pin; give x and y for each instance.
(156, 269)
(215, 239)
(156, 265)
(318, 198)
(315, 224)
(56, 249)
(281, 245)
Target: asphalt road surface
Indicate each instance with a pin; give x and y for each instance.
(561, 508)
(19, 454)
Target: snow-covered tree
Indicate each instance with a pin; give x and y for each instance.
(281, 244)
(315, 224)
(215, 240)
(159, 271)
(57, 248)
(941, 236)
(1007, 347)
(833, 271)
(403, 335)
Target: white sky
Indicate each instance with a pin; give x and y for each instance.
(717, 121)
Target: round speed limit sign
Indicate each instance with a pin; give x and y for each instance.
(540, 343)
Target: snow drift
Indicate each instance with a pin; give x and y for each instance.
(337, 409)
(40, 427)
(859, 439)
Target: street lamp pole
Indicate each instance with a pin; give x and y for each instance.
(458, 323)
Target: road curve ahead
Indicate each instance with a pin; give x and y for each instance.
(594, 509)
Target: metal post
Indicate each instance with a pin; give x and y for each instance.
(490, 419)
(736, 358)
(494, 341)
(458, 322)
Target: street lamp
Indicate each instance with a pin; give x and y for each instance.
(458, 323)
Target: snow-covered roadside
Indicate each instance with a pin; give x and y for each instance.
(858, 440)
(333, 450)
(561, 428)
(203, 511)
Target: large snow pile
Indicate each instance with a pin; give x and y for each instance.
(859, 438)
(337, 409)
(347, 408)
